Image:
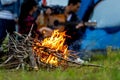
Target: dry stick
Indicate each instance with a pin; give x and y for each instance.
(53, 51)
(15, 46)
(78, 63)
(6, 65)
(74, 56)
(46, 49)
(8, 59)
(75, 53)
(59, 56)
(17, 50)
(31, 55)
(30, 32)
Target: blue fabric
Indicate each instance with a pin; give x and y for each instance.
(6, 26)
(85, 6)
(14, 7)
(2, 29)
(100, 39)
(107, 31)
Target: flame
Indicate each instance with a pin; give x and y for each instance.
(56, 43)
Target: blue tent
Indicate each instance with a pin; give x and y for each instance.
(107, 31)
(86, 8)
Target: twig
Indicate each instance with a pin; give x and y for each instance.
(88, 64)
(29, 34)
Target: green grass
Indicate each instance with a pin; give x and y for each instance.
(109, 71)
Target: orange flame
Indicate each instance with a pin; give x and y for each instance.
(55, 42)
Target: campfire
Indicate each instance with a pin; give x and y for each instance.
(50, 53)
(51, 49)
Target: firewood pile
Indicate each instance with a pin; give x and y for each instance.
(35, 54)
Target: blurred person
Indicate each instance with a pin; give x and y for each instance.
(73, 31)
(9, 11)
(26, 18)
(43, 23)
